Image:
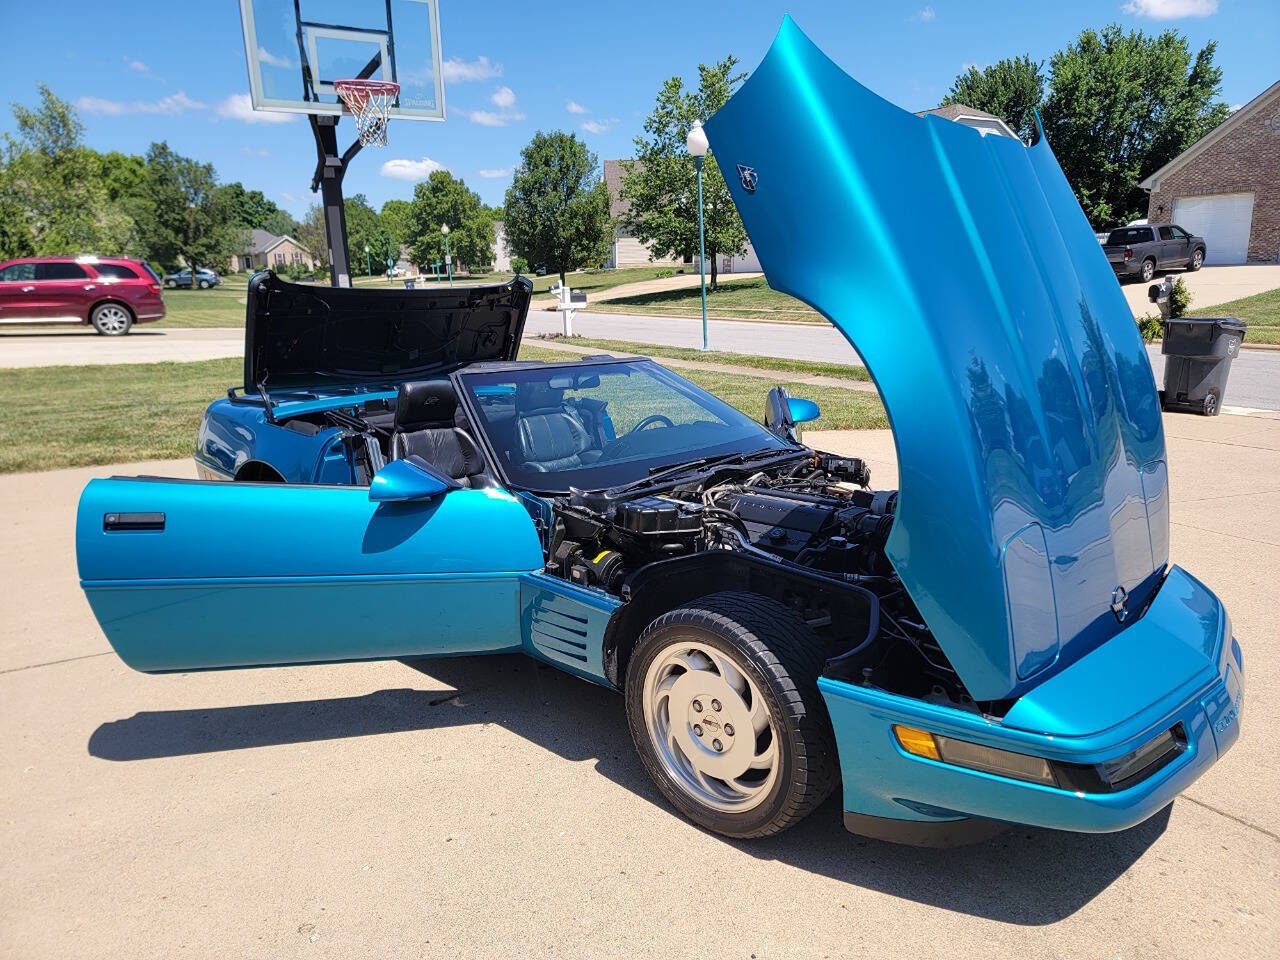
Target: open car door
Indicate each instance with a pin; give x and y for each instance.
(194, 575)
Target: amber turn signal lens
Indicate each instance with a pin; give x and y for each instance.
(918, 742)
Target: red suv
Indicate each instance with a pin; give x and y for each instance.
(111, 293)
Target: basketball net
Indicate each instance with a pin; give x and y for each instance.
(369, 102)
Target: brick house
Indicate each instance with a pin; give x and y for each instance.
(1226, 186)
(269, 250)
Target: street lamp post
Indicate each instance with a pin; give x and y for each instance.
(698, 145)
(448, 260)
(368, 266)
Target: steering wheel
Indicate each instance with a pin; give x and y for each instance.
(650, 421)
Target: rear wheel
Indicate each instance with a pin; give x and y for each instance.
(204, 284)
(1197, 261)
(1148, 270)
(724, 708)
(111, 319)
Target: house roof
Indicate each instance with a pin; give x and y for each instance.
(961, 111)
(261, 241)
(1267, 96)
(613, 174)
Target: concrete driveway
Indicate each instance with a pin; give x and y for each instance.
(494, 808)
(1209, 286)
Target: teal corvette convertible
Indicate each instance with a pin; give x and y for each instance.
(1001, 640)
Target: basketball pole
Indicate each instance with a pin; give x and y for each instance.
(331, 167)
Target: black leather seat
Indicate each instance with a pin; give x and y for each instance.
(425, 427)
(550, 436)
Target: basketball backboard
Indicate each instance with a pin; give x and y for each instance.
(296, 49)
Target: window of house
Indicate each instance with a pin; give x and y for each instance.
(297, 257)
(60, 271)
(280, 258)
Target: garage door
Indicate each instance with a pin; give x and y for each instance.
(1222, 219)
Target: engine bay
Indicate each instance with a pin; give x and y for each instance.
(813, 521)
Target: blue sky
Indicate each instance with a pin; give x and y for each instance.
(165, 72)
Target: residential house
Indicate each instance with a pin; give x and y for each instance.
(987, 124)
(269, 250)
(501, 255)
(1225, 187)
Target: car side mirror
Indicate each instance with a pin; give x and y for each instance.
(783, 412)
(408, 480)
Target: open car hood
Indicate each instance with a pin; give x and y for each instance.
(303, 334)
(1031, 455)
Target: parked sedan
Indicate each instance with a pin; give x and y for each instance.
(1139, 250)
(110, 293)
(182, 279)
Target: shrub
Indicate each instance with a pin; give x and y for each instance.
(519, 265)
(1179, 298)
(1150, 328)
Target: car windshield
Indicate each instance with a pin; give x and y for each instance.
(601, 425)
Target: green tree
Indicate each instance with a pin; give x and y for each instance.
(251, 207)
(52, 200)
(444, 199)
(661, 183)
(557, 207)
(192, 221)
(364, 226)
(1120, 106)
(1011, 89)
(280, 223)
(310, 234)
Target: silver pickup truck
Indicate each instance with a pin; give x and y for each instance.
(1138, 251)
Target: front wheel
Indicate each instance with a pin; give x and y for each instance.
(171, 284)
(111, 320)
(204, 284)
(724, 709)
(1197, 261)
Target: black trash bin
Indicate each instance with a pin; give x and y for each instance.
(1198, 352)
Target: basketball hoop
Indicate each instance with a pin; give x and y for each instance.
(369, 101)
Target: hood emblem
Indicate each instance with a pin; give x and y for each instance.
(749, 177)
(1120, 603)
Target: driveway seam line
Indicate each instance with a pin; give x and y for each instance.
(1233, 536)
(52, 663)
(1231, 816)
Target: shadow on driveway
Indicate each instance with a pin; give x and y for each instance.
(1024, 876)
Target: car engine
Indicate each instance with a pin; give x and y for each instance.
(816, 515)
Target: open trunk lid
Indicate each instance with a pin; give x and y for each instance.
(1033, 513)
(305, 334)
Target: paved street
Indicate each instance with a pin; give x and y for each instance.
(495, 808)
(1254, 383)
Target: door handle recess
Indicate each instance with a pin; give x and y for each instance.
(27, 289)
(132, 521)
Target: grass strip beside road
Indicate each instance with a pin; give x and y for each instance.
(754, 361)
(749, 299)
(83, 416)
(1261, 312)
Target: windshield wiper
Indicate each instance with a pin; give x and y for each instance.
(660, 473)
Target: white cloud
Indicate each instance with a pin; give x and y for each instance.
(410, 170)
(573, 106)
(255, 151)
(504, 98)
(971, 65)
(174, 103)
(1171, 9)
(599, 126)
(461, 71)
(269, 58)
(238, 106)
(927, 15)
(288, 197)
(494, 173)
(138, 65)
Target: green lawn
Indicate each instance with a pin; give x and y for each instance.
(722, 356)
(81, 416)
(1261, 312)
(749, 299)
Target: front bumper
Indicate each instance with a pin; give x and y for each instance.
(1177, 667)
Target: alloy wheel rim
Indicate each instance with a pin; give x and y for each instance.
(710, 727)
(1148, 271)
(112, 319)
(1197, 259)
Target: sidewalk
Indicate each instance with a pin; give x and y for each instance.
(680, 281)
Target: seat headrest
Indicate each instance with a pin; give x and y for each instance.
(537, 398)
(425, 403)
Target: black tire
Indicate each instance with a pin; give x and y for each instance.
(111, 319)
(782, 657)
(204, 284)
(1196, 261)
(171, 284)
(1210, 406)
(1148, 270)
